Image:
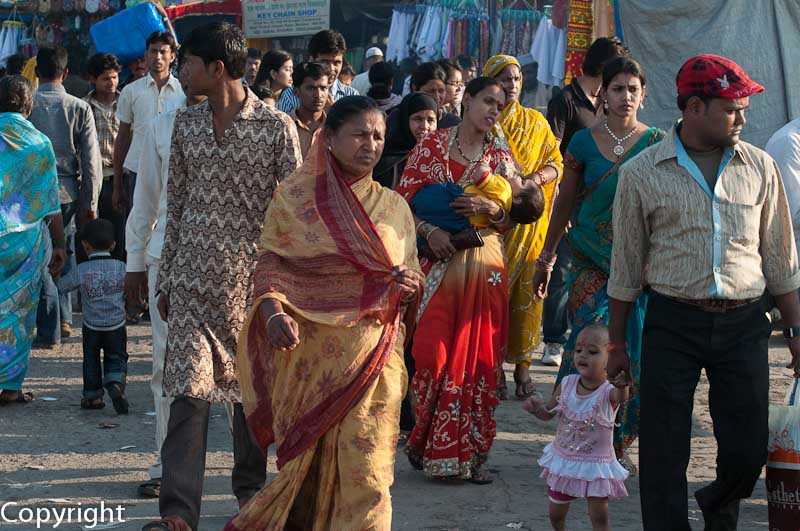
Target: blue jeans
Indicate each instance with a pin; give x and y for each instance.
(555, 320)
(48, 312)
(114, 367)
(55, 307)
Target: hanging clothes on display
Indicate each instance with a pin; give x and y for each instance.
(548, 51)
(579, 37)
(603, 20)
(514, 30)
(437, 29)
(11, 34)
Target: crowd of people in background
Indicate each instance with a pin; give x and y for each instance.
(388, 239)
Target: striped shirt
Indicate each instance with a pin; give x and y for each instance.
(107, 124)
(289, 102)
(673, 233)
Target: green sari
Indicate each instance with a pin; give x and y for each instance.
(28, 193)
(591, 240)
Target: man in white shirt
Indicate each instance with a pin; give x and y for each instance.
(784, 147)
(361, 82)
(144, 238)
(139, 103)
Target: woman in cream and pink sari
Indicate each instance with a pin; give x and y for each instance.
(320, 360)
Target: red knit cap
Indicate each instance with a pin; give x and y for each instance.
(713, 76)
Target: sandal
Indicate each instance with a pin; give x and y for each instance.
(21, 398)
(524, 389)
(416, 462)
(92, 403)
(481, 478)
(150, 489)
(168, 523)
(118, 398)
(502, 390)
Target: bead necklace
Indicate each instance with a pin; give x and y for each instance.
(618, 149)
(461, 151)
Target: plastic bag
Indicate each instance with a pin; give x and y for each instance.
(783, 462)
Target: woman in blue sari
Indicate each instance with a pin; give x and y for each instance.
(591, 167)
(28, 204)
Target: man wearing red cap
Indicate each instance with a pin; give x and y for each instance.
(705, 215)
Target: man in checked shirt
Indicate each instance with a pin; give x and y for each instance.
(706, 216)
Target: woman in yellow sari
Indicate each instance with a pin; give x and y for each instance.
(320, 360)
(536, 151)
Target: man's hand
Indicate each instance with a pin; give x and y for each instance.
(136, 288)
(118, 199)
(618, 361)
(163, 306)
(57, 261)
(794, 348)
(89, 215)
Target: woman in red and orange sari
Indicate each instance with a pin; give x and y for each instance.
(320, 360)
(463, 327)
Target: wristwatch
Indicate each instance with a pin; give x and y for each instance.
(792, 331)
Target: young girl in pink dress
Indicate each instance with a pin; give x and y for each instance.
(580, 463)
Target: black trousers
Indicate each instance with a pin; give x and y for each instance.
(678, 342)
(183, 458)
(107, 211)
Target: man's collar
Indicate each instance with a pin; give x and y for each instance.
(171, 80)
(52, 87)
(669, 147)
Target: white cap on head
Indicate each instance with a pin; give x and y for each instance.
(373, 52)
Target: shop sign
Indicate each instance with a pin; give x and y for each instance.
(284, 18)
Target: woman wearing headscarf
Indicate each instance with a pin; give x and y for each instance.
(536, 152)
(463, 324)
(417, 115)
(320, 360)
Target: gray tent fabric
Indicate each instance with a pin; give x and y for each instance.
(762, 36)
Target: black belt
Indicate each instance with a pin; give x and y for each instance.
(713, 305)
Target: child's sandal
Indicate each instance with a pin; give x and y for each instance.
(92, 403)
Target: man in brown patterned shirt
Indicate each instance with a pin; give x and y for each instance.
(227, 156)
(702, 220)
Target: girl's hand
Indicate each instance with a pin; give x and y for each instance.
(439, 242)
(283, 332)
(533, 404)
(408, 280)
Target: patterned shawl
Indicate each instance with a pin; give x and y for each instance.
(323, 259)
(29, 190)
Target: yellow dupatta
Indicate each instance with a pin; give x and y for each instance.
(534, 146)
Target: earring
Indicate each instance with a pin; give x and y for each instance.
(605, 104)
(641, 105)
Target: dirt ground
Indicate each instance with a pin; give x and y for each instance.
(55, 455)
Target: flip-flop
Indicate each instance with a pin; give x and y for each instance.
(22, 398)
(150, 489)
